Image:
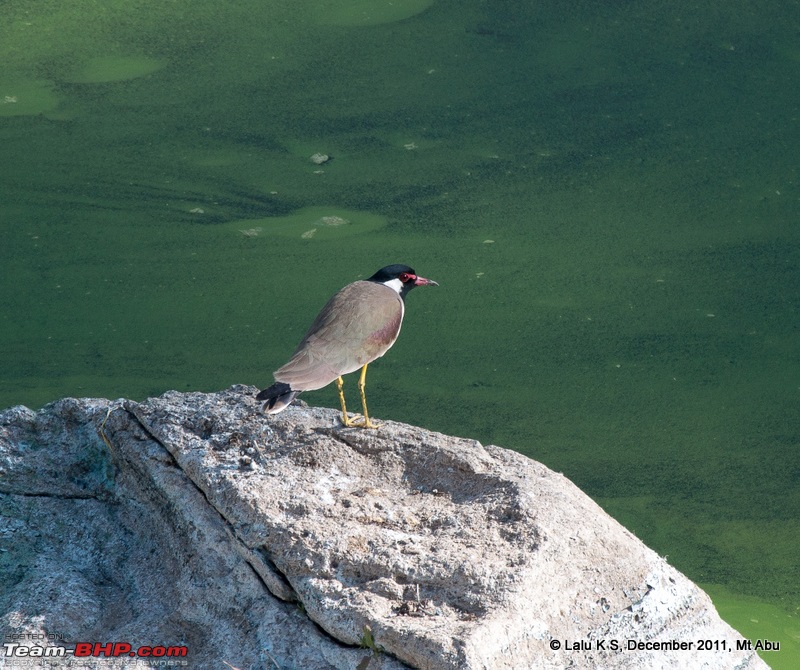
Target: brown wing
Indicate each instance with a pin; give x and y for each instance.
(358, 325)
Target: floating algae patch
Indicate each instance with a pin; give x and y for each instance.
(109, 69)
(27, 98)
(367, 12)
(313, 223)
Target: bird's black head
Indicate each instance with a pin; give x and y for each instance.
(401, 278)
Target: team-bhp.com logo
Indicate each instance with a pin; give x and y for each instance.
(96, 649)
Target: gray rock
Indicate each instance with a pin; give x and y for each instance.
(290, 542)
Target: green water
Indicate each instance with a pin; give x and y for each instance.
(607, 194)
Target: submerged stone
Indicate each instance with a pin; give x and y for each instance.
(367, 12)
(108, 69)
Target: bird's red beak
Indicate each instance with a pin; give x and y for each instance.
(421, 281)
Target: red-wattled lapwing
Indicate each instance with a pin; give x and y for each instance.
(359, 324)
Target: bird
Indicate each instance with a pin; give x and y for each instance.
(358, 325)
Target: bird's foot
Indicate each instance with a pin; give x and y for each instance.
(347, 422)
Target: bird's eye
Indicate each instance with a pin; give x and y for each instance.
(404, 277)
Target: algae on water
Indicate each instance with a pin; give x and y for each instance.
(318, 223)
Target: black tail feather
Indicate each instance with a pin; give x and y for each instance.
(278, 397)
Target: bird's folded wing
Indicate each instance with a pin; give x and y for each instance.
(358, 325)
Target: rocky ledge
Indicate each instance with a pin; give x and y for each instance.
(193, 520)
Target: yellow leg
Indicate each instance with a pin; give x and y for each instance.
(340, 387)
(362, 383)
(346, 420)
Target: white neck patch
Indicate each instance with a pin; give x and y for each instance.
(395, 284)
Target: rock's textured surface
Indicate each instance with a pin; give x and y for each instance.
(192, 519)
